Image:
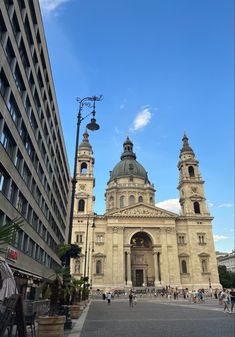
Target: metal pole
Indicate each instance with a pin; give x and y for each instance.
(92, 252)
(74, 181)
(84, 274)
(92, 126)
(88, 264)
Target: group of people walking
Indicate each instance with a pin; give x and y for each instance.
(227, 298)
(132, 297)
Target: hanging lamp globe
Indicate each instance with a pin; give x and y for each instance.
(93, 126)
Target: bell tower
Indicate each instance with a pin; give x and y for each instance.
(85, 178)
(192, 196)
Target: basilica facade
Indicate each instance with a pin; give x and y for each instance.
(135, 243)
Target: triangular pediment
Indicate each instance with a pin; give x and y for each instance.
(142, 210)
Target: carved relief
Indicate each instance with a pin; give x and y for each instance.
(82, 187)
(142, 211)
(194, 190)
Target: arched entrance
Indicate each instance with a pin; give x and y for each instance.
(142, 262)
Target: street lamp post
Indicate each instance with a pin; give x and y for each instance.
(87, 225)
(85, 273)
(93, 126)
(92, 251)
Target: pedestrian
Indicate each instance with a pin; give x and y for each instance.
(109, 296)
(226, 300)
(103, 296)
(135, 299)
(131, 300)
(232, 298)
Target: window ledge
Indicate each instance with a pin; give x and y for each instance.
(202, 243)
(97, 275)
(206, 273)
(99, 243)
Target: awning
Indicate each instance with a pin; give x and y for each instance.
(26, 273)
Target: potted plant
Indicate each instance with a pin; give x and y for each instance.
(53, 324)
(75, 292)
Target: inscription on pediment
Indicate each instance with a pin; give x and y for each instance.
(142, 211)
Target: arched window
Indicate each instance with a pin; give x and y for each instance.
(122, 201)
(140, 199)
(83, 169)
(81, 205)
(131, 200)
(191, 171)
(184, 267)
(151, 200)
(98, 267)
(204, 266)
(196, 207)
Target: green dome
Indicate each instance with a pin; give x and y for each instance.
(128, 166)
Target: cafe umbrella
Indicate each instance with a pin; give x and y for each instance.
(8, 285)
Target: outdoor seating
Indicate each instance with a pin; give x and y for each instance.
(30, 322)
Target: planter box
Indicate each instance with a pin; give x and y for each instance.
(51, 326)
(74, 311)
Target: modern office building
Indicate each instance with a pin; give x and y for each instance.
(34, 171)
(135, 243)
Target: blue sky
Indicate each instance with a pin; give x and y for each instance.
(163, 67)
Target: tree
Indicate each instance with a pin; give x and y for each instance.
(67, 251)
(227, 278)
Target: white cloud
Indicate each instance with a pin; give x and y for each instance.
(226, 205)
(220, 237)
(49, 6)
(142, 119)
(172, 205)
(210, 204)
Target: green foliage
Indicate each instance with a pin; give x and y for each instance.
(227, 278)
(55, 288)
(69, 251)
(75, 290)
(8, 232)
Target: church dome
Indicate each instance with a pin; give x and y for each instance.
(128, 166)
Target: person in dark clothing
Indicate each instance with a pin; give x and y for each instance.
(232, 297)
(130, 300)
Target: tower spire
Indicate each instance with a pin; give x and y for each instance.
(186, 147)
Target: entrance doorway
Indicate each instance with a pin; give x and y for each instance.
(142, 263)
(139, 277)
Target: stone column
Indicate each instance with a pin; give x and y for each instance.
(156, 267)
(129, 282)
